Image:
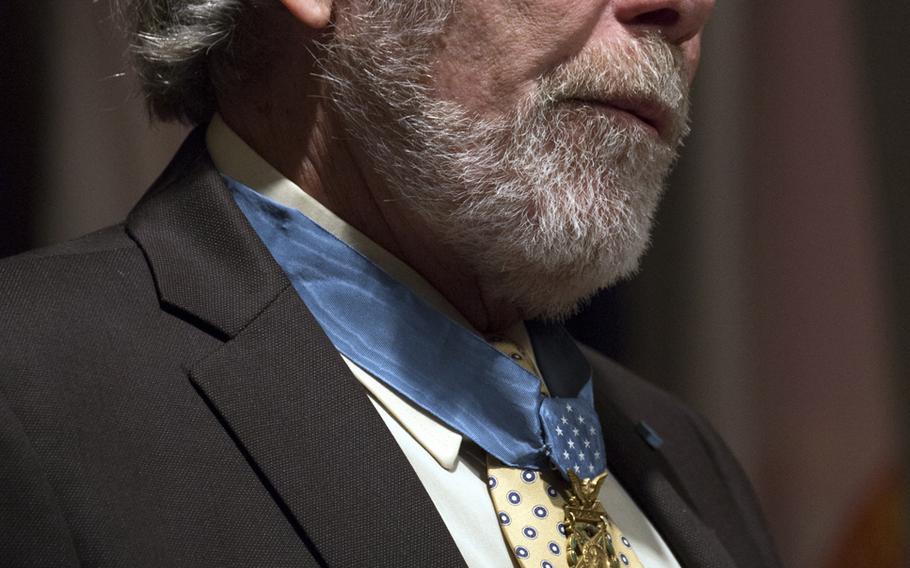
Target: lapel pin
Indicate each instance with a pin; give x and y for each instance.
(649, 435)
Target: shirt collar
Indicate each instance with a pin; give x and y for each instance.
(234, 158)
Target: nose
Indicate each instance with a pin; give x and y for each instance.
(678, 20)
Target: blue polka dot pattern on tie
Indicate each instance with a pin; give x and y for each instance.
(514, 497)
(545, 564)
(504, 518)
(522, 552)
(528, 476)
(554, 548)
(533, 521)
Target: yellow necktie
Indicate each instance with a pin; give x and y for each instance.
(531, 510)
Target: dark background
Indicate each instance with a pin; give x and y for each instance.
(774, 299)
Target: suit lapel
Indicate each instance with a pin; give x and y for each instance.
(652, 482)
(277, 384)
(301, 418)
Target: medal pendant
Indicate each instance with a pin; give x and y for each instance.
(587, 526)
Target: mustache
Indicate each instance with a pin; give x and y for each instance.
(645, 76)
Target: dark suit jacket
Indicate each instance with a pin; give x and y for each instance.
(166, 399)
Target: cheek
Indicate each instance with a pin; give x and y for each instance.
(493, 53)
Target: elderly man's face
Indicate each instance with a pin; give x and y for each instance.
(532, 136)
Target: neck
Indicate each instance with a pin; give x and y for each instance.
(308, 145)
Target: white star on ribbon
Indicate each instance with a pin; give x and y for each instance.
(563, 420)
(575, 431)
(587, 443)
(572, 444)
(568, 407)
(558, 431)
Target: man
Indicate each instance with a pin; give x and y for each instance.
(325, 336)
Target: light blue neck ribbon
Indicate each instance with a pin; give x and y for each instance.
(429, 359)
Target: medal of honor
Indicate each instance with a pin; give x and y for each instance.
(587, 526)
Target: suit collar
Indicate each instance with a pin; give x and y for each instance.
(207, 262)
(277, 384)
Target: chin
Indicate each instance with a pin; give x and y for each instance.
(557, 295)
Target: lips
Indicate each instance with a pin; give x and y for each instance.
(649, 112)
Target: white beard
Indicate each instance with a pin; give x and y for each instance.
(546, 205)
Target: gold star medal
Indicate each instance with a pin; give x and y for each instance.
(587, 525)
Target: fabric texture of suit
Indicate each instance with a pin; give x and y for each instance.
(166, 399)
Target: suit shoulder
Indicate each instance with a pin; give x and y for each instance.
(57, 267)
(109, 238)
(64, 278)
(55, 295)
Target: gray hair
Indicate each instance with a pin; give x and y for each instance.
(184, 51)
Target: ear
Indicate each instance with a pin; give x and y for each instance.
(314, 14)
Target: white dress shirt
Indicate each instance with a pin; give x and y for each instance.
(453, 474)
